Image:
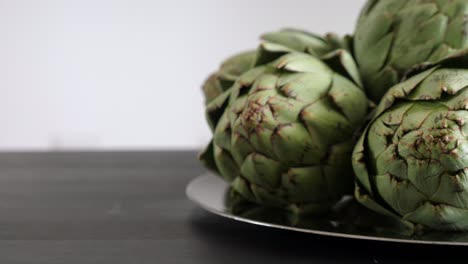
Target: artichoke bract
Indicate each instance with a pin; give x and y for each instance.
(284, 132)
(225, 77)
(392, 36)
(411, 162)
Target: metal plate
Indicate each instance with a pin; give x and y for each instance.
(347, 219)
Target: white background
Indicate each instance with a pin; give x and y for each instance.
(108, 74)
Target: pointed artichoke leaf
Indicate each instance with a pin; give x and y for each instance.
(369, 203)
(262, 170)
(360, 166)
(225, 77)
(342, 62)
(401, 90)
(227, 167)
(299, 40)
(236, 65)
(215, 109)
(337, 42)
(349, 99)
(206, 156)
(440, 82)
(440, 216)
(380, 82)
(455, 59)
(211, 88)
(301, 62)
(242, 187)
(269, 51)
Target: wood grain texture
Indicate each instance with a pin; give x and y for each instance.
(131, 208)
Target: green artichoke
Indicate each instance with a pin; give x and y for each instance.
(411, 162)
(283, 133)
(392, 36)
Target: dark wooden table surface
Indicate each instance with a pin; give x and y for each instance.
(131, 208)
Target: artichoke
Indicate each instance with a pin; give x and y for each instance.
(411, 162)
(284, 132)
(392, 36)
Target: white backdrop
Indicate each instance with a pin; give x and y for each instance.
(115, 74)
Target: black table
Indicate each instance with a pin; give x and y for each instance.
(131, 208)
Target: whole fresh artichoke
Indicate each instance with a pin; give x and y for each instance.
(392, 36)
(283, 133)
(412, 160)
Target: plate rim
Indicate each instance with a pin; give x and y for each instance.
(190, 195)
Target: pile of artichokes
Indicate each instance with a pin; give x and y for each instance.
(304, 120)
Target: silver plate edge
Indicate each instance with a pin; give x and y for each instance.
(192, 196)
